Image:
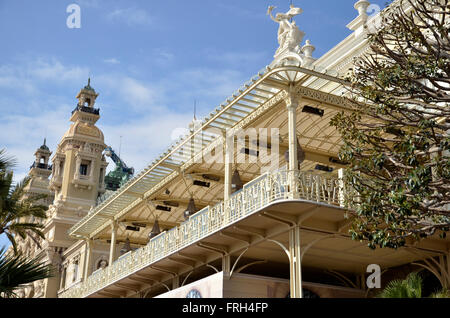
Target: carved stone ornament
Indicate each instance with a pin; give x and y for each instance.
(102, 262)
(39, 287)
(292, 98)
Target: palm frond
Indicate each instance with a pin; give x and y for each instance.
(25, 226)
(395, 289)
(36, 240)
(24, 229)
(13, 241)
(414, 285)
(444, 293)
(6, 162)
(6, 179)
(411, 287)
(18, 190)
(17, 271)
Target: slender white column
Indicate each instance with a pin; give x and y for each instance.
(341, 187)
(63, 277)
(175, 282)
(226, 265)
(292, 103)
(291, 265)
(298, 263)
(91, 172)
(77, 168)
(112, 251)
(87, 259)
(295, 263)
(229, 147)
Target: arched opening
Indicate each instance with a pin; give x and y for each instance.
(75, 271)
(431, 283)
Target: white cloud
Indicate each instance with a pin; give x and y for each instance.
(136, 93)
(146, 114)
(27, 133)
(22, 84)
(131, 93)
(111, 61)
(238, 10)
(54, 70)
(162, 57)
(234, 58)
(206, 83)
(131, 16)
(145, 138)
(25, 76)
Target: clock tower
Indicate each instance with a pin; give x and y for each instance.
(78, 173)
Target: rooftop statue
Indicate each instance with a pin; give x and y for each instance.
(289, 35)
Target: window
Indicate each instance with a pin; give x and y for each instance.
(83, 169)
(100, 180)
(75, 271)
(63, 278)
(61, 168)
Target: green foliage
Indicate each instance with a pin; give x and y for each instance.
(16, 271)
(15, 213)
(444, 293)
(411, 287)
(17, 210)
(396, 139)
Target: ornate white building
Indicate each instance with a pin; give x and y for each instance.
(249, 204)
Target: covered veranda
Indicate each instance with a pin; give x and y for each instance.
(284, 212)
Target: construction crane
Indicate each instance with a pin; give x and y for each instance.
(119, 176)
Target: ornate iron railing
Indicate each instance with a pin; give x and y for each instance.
(255, 195)
(41, 166)
(90, 110)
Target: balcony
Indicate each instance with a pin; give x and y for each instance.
(82, 181)
(41, 166)
(94, 111)
(256, 195)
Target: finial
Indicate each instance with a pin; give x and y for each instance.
(195, 109)
(308, 49)
(89, 81)
(362, 6)
(44, 146)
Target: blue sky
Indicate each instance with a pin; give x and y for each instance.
(149, 60)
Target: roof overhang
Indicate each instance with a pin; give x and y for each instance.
(268, 87)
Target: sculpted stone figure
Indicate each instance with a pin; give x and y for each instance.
(103, 264)
(289, 35)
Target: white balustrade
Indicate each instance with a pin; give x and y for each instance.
(255, 195)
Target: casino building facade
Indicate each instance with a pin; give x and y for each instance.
(250, 203)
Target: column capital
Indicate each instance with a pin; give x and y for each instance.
(114, 225)
(293, 98)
